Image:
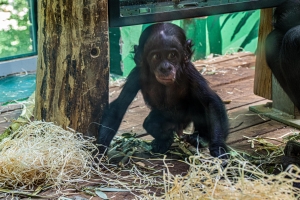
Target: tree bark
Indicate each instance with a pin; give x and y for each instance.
(73, 65)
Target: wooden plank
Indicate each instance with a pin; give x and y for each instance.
(6, 117)
(263, 74)
(229, 75)
(235, 90)
(8, 113)
(235, 70)
(242, 118)
(245, 61)
(223, 58)
(239, 93)
(276, 115)
(10, 107)
(254, 130)
(244, 101)
(276, 138)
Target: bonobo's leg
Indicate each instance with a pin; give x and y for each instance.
(207, 110)
(218, 132)
(161, 129)
(204, 136)
(273, 51)
(273, 46)
(290, 63)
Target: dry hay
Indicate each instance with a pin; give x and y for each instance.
(239, 179)
(43, 153)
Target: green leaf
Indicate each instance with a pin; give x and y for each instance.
(101, 194)
(112, 190)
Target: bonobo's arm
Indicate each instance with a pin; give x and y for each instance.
(115, 111)
(214, 108)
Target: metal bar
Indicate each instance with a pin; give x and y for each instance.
(185, 9)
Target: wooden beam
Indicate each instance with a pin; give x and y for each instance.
(73, 64)
(263, 74)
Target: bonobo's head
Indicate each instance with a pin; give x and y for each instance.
(164, 51)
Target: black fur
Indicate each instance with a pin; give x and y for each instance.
(283, 48)
(173, 89)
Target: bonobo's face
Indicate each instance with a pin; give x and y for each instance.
(164, 57)
(164, 63)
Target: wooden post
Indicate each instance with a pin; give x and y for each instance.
(73, 65)
(263, 74)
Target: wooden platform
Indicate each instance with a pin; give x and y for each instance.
(231, 76)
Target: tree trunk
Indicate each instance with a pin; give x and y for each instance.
(72, 70)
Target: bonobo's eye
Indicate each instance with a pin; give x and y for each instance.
(171, 55)
(156, 56)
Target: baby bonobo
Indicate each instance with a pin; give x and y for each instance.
(174, 90)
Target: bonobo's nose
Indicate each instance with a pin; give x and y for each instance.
(165, 68)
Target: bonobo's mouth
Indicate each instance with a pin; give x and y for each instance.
(166, 80)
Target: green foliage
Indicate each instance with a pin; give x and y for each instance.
(15, 33)
(239, 31)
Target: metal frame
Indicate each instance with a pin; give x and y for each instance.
(32, 4)
(116, 21)
(16, 66)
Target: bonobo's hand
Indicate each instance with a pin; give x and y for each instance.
(102, 149)
(219, 150)
(161, 146)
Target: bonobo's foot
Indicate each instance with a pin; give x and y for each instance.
(102, 149)
(161, 146)
(219, 150)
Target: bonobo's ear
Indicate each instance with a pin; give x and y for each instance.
(188, 50)
(189, 43)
